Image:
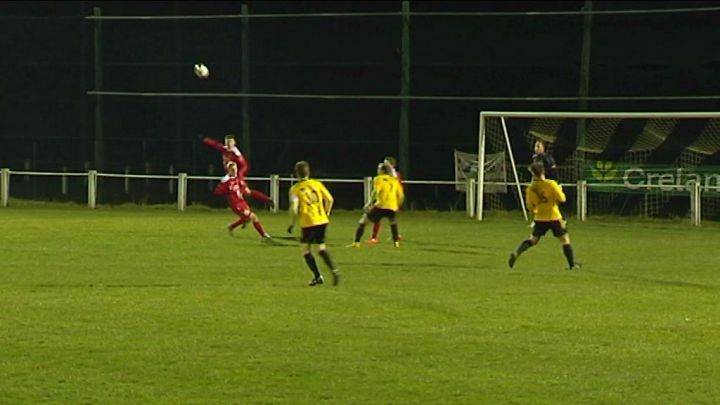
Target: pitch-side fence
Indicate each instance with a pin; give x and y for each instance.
(181, 180)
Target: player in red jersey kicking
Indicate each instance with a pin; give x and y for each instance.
(231, 153)
(231, 186)
(390, 161)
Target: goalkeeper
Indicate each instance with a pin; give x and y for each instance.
(542, 156)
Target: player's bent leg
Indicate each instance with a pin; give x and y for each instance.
(375, 232)
(524, 245)
(310, 261)
(568, 252)
(322, 251)
(395, 232)
(259, 196)
(359, 231)
(259, 227)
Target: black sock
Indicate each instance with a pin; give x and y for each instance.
(567, 249)
(327, 259)
(395, 232)
(525, 245)
(310, 260)
(359, 232)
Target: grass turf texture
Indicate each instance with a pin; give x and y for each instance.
(143, 305)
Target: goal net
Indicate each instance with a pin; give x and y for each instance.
(660, 165)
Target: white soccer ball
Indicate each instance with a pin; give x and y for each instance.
(201, 71)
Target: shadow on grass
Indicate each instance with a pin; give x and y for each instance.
(647, 280)
(443, 266)
(158, 285)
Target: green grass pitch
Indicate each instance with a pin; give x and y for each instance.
(148, 305)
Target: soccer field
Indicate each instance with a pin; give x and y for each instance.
(148, 305)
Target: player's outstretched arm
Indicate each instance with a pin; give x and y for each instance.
(214, 144)
(222, 188)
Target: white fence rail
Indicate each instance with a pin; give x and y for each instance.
(177, 184)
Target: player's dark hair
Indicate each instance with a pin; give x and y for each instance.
(231, 136)
(302, 169)
(537, 169)
(391, 160)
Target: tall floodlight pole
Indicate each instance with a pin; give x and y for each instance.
(584, 90)
(404, 148)
(178, 100)
(99, 136)
(245, 79)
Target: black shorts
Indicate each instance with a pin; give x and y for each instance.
(541, 227)
(376, 214)
(314, 234)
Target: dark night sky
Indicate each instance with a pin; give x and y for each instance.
(48, 65)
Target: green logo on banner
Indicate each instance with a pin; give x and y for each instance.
(603, 171)
(629, 178)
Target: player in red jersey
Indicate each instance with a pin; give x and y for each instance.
(231, 153)
(231, 186)
(390, 161)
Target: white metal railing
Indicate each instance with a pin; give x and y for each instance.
(181, 180)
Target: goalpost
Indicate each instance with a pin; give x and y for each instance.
(623, 163)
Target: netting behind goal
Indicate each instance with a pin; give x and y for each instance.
(634, 164)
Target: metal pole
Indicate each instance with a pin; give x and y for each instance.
(4, 186)
(182, 191)
(367, 189)
(404, 138)
(581, 200)
(178, 100)
(83, 85)
(92, 188)
(99, 136)
(171, 182)
(127, 180)
(470, 197)
(481, 168)
(64, 182)
(695, 199)
(584, 90)
(245, 80)
(275, 191)
(514, 168)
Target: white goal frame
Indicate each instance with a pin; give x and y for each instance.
(484, 115)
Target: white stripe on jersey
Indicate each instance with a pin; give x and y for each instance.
(236, 151)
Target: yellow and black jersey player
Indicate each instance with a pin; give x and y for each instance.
(388, 196)
(311, 204)
(543, 197)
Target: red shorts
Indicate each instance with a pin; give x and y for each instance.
(242, 209)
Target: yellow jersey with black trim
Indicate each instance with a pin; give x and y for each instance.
(388, 192)
(313, 202)
(543, 198)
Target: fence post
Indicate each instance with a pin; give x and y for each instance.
(696, 204)
(182, 191)
(127, 180)
(581, 198)
(92, 188)
(275, 192)
(470, 197)
(171, 182)
(367, 189)
(4, 186)
(64, 183)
